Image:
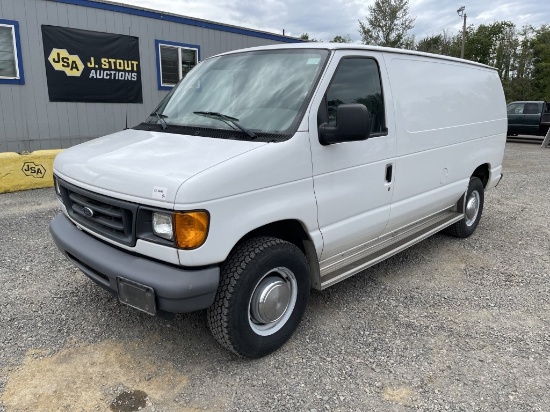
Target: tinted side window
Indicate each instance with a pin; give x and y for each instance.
(515, 108)
(357, 80)
(531, 108)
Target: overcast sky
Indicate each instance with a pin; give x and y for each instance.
(324, 19)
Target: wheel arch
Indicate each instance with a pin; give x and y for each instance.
(482, 172)
(291, 231)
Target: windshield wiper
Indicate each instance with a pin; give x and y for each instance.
(161, 118)
(227, 119)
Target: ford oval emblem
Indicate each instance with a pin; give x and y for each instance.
(88, 212)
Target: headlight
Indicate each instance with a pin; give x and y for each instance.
(162, 225)
(191, 229)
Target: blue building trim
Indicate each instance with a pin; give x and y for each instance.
(178, 19)
(171, 43)
(21, 79)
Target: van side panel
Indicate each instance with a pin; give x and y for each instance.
(450, 119)
(438, 103)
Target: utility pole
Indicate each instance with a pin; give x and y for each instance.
(461, 13)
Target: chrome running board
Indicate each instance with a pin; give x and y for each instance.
(343, 266)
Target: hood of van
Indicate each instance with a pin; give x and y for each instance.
(145, 164)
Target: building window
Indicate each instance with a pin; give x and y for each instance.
(11, 66)
(174, 61)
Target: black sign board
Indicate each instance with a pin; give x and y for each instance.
(89, 66)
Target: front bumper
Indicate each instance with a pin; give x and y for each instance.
(177, 290)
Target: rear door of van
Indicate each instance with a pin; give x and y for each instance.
(353, 180)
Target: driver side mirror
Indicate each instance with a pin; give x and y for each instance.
(353, 125)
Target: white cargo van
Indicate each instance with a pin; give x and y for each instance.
(273, 170)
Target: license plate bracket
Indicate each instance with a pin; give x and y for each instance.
(136, 295)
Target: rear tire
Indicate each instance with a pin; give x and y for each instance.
(262, 296)
(474, 208)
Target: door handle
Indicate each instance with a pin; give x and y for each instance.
(389, 172)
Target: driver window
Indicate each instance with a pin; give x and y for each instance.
(357, 80)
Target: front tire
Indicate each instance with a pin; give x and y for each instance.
(262, 296)
(474, 208)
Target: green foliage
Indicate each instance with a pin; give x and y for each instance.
(519, 88)
(305, 36)
(341, 39)
(440, 44)
(541, 62)
(521, 57)
(337, 39)
(387, 24)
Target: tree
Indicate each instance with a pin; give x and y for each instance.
(519, 85)
(541, 62)
(507, 44)
(388, 24)
(341, 39)
(494, 44)
(443, 43)
(305, 36)
(524, 56)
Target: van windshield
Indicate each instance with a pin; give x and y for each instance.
(250, 93)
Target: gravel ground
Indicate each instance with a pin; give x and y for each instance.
(450, 324)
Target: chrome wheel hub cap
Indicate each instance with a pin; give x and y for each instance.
(272, 301)
(472, 208)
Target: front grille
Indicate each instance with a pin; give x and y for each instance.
(109, 217)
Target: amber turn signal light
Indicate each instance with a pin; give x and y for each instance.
(191, 229)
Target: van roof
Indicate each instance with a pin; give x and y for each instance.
(354, 46)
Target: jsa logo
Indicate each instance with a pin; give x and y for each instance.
(63, 61)
(33, 169)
